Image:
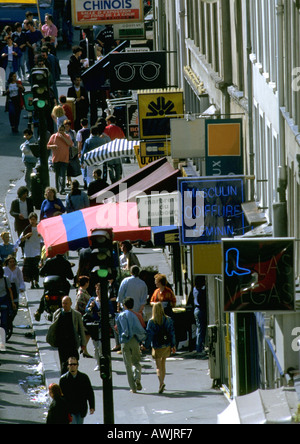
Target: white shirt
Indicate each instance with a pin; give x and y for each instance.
(32, 246)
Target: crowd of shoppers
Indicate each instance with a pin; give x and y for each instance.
(71, 329)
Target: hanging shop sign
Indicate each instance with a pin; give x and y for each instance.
(155, 111)
(101, 12)
(138, 70)
(258, 275)
(158, 210)
(211, 209)
(224, 147)
(189, 134)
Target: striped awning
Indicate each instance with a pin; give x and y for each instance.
(111, 150)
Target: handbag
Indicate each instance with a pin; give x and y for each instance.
(74, 169)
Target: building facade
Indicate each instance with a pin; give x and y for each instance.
(241, 59)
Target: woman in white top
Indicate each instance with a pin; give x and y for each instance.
(32, 251)
(14, 101)
(14, 274)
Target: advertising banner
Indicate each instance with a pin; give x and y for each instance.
(258, 275)
(101, 12)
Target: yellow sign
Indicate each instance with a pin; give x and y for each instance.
(155, 111)
(171, 238)
(224, 139)
(144, 160)
(207, 259)
(158, 148)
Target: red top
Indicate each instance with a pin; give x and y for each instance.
(166, 296)
(114, 132)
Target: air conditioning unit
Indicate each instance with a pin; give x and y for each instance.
(214, 354)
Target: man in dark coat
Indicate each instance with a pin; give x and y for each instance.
(79, 93)
(77, 391)
(20, 210)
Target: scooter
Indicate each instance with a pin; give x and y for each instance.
(55, 288)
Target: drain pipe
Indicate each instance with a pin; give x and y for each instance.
(250, 101)
(280, 220)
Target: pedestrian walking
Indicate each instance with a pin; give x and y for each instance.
(67, 333)
(52, 206)
(78, 392)
(10, 57)
(94, 141)
(28, 157)
(200, 313)
(15, 101)
(82, 299)
(58, 411)
(82, 135)
(131, 334)
(93, 315)
(163, 294)
(128, 258)
(113, 289)
(32, 251)
(6, 300)
(15, 275)
(98, 183)
(20, 209)
(161, 336)
(58, 115)
(76, 199)
(7, 248)
(79, 93)
(113, 131)
(135, 288)
(60, 144)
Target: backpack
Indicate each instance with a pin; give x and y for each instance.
(163, 335)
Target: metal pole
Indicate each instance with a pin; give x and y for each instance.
(280, 209)
(43, 146)
(105, 359)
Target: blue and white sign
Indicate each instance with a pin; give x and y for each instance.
(211, 209)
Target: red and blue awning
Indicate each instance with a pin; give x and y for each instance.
(73, 230)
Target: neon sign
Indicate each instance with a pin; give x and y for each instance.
(258, 275)
(211, 209)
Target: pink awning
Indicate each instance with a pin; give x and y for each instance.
(73, 230)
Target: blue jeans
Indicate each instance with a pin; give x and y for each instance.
(77, 418)
(201, 324)
(60, 169)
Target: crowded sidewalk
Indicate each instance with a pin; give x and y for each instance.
(188, 398)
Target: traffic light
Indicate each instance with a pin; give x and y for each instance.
(105, 364)
(102, 252)
(40, 87)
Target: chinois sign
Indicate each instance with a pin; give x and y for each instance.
(87, 13)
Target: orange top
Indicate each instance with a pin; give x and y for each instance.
(166, 296)
(61, 153)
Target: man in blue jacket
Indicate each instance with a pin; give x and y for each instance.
(131, 334)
